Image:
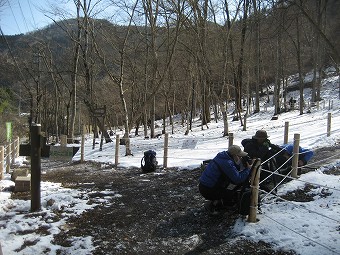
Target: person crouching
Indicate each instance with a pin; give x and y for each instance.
(222, 176)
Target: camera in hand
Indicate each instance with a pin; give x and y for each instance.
(245, 160)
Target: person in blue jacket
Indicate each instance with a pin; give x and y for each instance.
(285, 161)
(222, 175)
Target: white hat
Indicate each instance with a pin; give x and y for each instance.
(236, 150)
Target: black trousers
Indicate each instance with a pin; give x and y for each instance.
(218, 193)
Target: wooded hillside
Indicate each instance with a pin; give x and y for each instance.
(171, 57)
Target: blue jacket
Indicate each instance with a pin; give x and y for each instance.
(223, 170)
(305, 154)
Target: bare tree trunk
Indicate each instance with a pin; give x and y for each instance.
(146, 79)
(239, 79)
(152, 117)
(321, 8)
(301, 79)
(257, 56)
(75, 70)
(277, 74)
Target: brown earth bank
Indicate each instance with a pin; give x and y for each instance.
(154, 213)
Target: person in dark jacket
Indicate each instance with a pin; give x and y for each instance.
(259, 146)
(222, 175)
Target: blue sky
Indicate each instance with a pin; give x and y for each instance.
(22, 16)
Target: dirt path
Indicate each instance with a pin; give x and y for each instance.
(156, 213)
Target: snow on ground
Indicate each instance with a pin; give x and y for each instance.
(308, 227)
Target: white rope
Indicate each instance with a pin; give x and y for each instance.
(278, 183)
(276, 171)
(273, 155)
(300, 205)
(304, 236)
(296, 179)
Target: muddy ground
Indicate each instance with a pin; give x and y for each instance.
(156, 213)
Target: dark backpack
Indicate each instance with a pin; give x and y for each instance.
(244, 197)
(244, 201)
(149, 162)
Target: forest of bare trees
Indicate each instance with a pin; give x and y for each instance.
(188, 57)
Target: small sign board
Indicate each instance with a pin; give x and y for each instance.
(189, 144)
(99, 112)
(9, 131)
(61, 153)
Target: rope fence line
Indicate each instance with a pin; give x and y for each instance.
(279, 168)
(8, 153)
(176, 145)
(298, 205)
(297, 179)
(271, 191)
(304, 236)
(303, 206)
(199, 138)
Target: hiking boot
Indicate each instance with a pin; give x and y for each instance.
(212, 207)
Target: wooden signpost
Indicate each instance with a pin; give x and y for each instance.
(98, 113)
(36, 149)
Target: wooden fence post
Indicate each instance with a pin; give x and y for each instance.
(63, 140)
(295, 160)
(166, 147)
(17, 147)
(101, 142)
(13, 146)
(117, 150)
(2, 162)
(231, 139)
(35, 167)
(8, 157)
(245, 123)
(285, 139)
(329, 121)
(255, 180)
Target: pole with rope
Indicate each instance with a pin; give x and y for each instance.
(254, 199)
(295, 160)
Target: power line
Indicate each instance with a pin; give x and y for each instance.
(29, 5)
(15, 19)
(23, 16)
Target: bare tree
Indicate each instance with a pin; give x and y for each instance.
(256, 7)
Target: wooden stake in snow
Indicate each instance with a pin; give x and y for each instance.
(166, 147)
(329, 121)
(82, 148)
(2, 158)
(295, 160)
(285, 139)
(254, 182)
(117, 150)
(231, 139)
